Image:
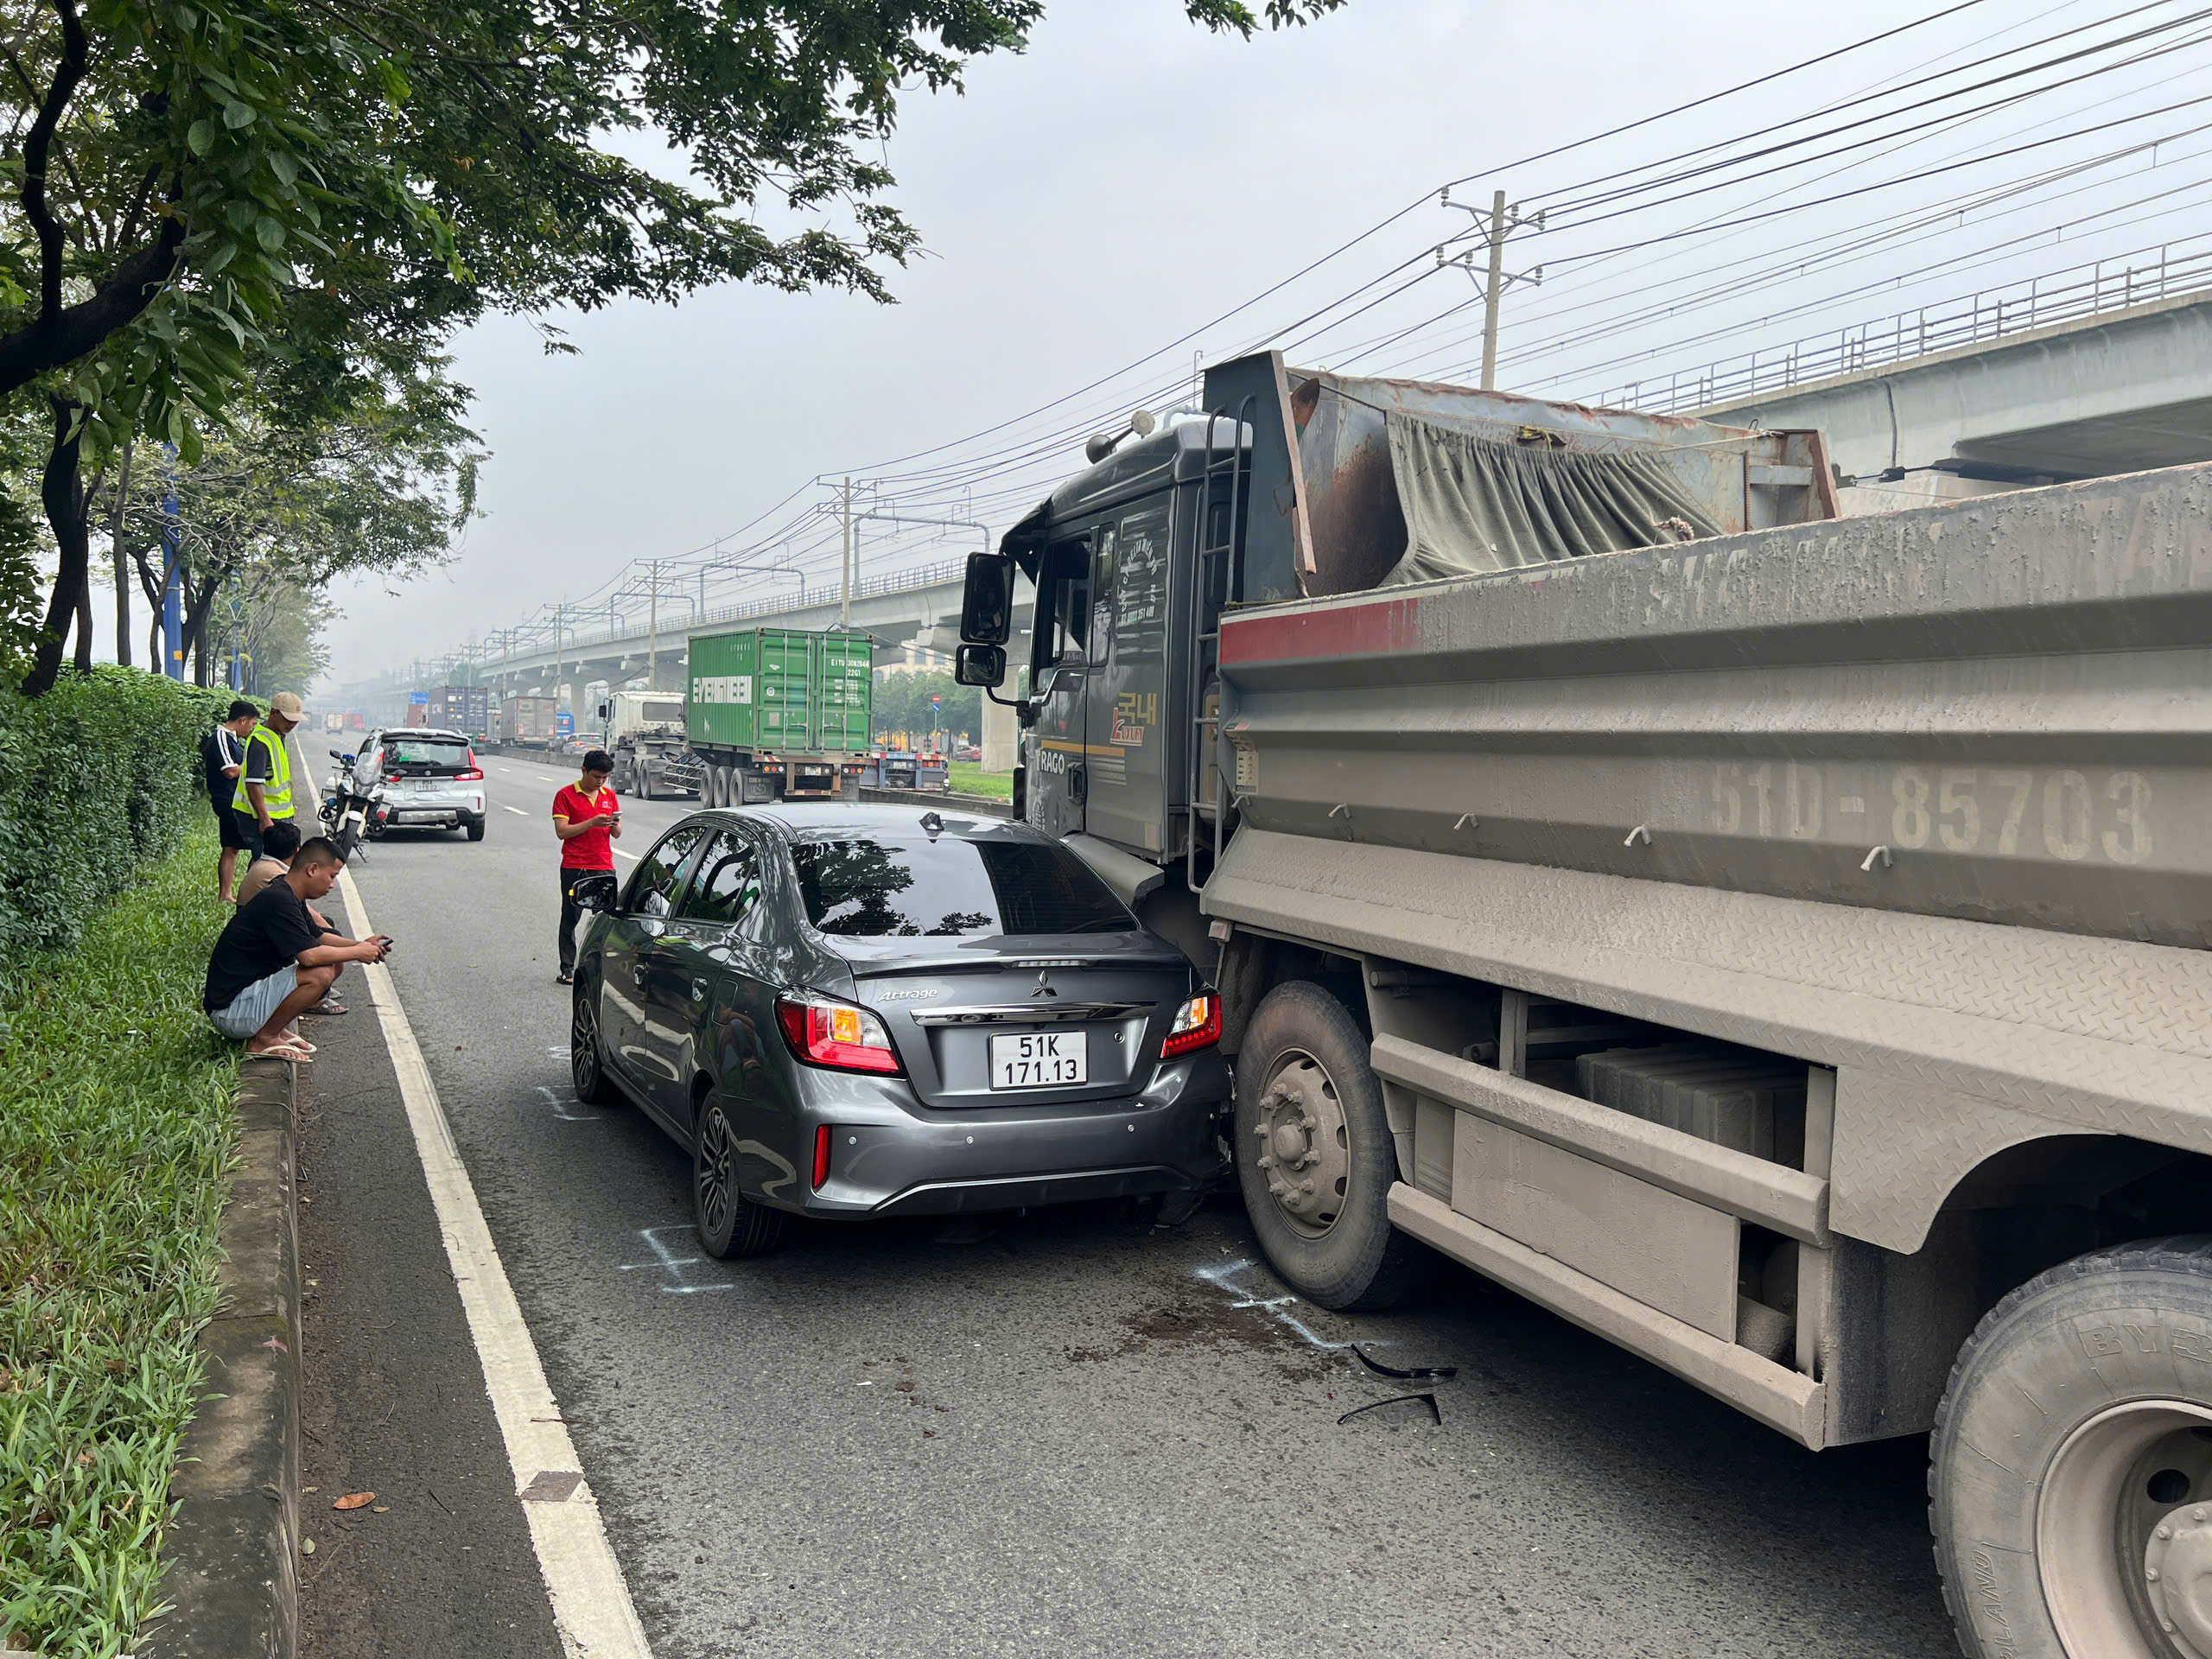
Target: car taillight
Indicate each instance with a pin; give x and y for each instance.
(392, 777)
(1196, 1024)
(475, 773)
(835, 1034)
(821, 1155)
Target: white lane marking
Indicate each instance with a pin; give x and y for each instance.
(632, 857)
(517, 810)
(591, 1602)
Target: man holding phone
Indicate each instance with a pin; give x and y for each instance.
(588, 816)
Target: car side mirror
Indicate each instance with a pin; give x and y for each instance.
(596, 894)
(987, 601)
(979, 666)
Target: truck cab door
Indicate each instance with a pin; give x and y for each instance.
(1125, 745)
(1058, 674)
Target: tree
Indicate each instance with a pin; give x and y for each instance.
(189, 170)
(291, 497)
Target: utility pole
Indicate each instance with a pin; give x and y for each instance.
(653, 626)
(1499, 222)
(845, 609)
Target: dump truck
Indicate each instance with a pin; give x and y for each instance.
(643, 731)
(528, 722)
(1775, 943)
(778, 713)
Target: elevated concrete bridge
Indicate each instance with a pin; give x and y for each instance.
(2119, 391)
(918, 607)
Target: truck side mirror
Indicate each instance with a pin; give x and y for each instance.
(979, 666)
(602, 711)
(986, 603)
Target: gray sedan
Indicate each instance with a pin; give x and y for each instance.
(857, 1011)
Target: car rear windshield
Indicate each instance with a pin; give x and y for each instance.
(425, 754)
(887, 886)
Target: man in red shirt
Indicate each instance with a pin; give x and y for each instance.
(587, 816)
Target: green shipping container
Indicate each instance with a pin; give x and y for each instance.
(780, 691)
(847, 683)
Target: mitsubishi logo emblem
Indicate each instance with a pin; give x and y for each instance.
(1044, 986)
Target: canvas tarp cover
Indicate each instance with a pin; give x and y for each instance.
(1473, 505)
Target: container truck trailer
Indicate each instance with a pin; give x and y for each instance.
(777, 713)
(528, 722)
(1775, 943)
(463, 708)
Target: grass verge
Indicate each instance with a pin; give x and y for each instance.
(968, 778)
(117, 1123)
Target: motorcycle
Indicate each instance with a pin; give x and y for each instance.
(350, 813)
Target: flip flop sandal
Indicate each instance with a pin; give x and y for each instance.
(281, 1051)
(328, 1005)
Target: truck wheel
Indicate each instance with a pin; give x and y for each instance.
(718, 781)
(1314, 1155)
(2070, 1472)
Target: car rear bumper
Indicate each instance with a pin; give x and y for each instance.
(446, 807)
(888, 1157)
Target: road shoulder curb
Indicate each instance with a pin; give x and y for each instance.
(232, 1556)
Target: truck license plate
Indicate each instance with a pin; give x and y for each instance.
(1044, 1059)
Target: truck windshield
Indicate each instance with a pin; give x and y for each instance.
(890, 886)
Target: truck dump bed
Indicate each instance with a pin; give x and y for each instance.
(1998, 710)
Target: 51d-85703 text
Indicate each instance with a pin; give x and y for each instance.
(2007, 811)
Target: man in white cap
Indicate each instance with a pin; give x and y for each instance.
(264, 790)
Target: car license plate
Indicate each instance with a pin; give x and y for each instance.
(1044, 1059)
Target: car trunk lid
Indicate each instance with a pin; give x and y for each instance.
(1042, 1021)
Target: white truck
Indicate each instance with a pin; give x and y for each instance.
(1777, 943)
(644, 733)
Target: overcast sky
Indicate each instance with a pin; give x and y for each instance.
(1130, 177)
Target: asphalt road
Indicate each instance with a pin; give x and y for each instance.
(1061, 1434)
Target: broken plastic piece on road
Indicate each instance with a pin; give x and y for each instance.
(1412, 1373)
(1428, 1400)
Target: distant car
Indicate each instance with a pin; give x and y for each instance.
(855, 1011)
(430, 775)
(967, 751)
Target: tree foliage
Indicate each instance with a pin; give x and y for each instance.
(192, 183)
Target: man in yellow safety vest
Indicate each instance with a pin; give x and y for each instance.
(264, 790)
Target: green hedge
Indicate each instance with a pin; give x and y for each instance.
(98, 778)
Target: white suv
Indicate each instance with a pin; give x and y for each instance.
(431, 778)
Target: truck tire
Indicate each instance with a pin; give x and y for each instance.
(1314, 1155)
(2070, 1472)
(720, 778)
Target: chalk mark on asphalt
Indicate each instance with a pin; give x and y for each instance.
(560, 1103)
(517, 810)
(1223, 1278)
(673, 1266)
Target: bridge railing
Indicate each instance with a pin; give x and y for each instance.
(912, 580)
(2067, 295)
